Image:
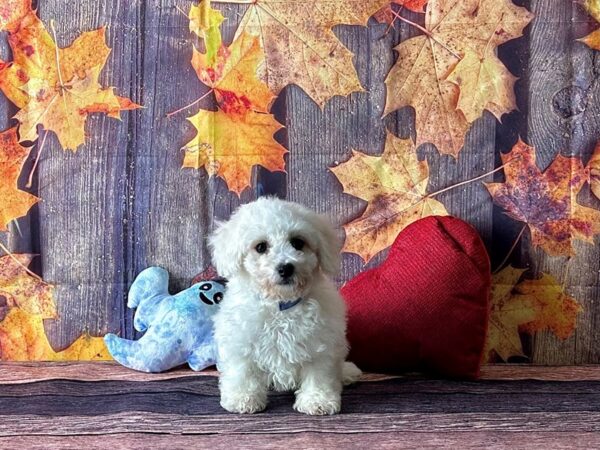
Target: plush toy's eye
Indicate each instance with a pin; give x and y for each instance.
(205, 286)
(297, 243)
(261, 247)
(218, 297)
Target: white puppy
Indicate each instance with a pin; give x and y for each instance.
(282, 323)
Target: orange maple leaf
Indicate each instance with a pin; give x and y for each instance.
(546, 201)
(395, 187)
(21, 290)
(526, 306)
(387, 14)
(54, 87)
(239, 135)
(441, 73)
(300, 45)
(22, 338)
(15, 203)
(11, 13)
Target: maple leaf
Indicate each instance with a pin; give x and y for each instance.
(233, 75)
(22, 338)
(528, 306)
(239, 134)
(395, 187)
(592, 40)
(228, 145)
(11, 13)
(593, 8)
(484, 84)
(594, 168)
(21, 290)
(387, 15)
(507, 315)
(15, 203)
(555, 311)
(422, 77)
(546, 201)
(205, 22)
(57, 88)
(300, 45)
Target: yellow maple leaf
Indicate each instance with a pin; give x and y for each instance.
(485, 83)
(54, 87)
(593, 8)
(22, 338)
(422, 76)
(555, 310)
(527, 306)
(395, 187)
(229, 145)
(230, 141)
(300, 45)
(22, 290)
(205, 22)
(15, 203)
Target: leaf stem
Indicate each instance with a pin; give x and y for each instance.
(191, 104)
(63, 89)
(433, 194)
(7, 251)
(512, 249)
(37, 160)
(56, 55)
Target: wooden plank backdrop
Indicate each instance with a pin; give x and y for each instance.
(123, 203)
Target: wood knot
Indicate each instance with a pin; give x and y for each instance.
(569, 101)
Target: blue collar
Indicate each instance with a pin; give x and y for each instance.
(287, 305)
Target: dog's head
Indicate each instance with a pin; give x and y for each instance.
(280, 245)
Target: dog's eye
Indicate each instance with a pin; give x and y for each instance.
(297, 243)
(261, 247)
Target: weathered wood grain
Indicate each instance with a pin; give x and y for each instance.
(559, 122)
(149, 422)
(33, 372)
(398, 392)
(394, 413)
(80, 226)
(313, 440)
(190, 406)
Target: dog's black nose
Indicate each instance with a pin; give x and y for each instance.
(285, 270)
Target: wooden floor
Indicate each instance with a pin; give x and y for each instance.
(105, 406)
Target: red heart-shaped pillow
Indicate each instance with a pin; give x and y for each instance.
(427, 306)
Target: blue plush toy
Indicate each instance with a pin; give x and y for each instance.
(179, 328)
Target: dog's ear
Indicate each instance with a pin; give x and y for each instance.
(329, 246)
(225, 248)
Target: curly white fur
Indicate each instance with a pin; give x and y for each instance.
(302, 348)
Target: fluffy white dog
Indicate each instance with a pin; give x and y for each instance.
(282, 323)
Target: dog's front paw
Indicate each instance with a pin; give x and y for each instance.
(244, 403)
(318, 403)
